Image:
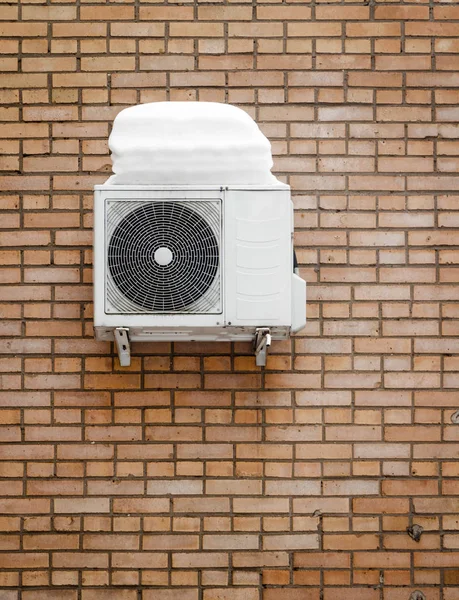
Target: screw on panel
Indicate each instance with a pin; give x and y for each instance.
(415, 532)
(417, 595)
(455, 417)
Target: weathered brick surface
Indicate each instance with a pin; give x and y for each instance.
(191, 474)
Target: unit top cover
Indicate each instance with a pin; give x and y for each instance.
(189, 143)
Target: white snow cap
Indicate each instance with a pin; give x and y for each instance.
(189, 143)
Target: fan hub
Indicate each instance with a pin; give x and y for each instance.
(163, 256)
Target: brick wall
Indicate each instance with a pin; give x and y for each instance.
(193, 474)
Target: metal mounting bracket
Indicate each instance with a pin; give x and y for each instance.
(261, 344)
(123, 346)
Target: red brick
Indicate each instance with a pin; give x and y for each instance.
(25, 506)
(375, 29)
(363, 541)
(342, 13)
(219, 487)
(51, 382)
(66, 487)
(110, 542)
(347, 594)
(410, 13)
(260, 559)
(118, 594)
(113, 433)
(80, 560)
(50, 541)
(115, 487)
(409, 488)
(251, 439)
(161, 594)
(140, 505)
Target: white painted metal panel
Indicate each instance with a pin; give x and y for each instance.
(258, 249)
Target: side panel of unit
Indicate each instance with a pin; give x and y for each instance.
(258, 257)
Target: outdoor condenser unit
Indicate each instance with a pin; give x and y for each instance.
(193, 235)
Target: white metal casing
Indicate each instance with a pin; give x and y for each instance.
(259, 288)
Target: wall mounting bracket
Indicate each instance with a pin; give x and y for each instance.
(261, 344)
(123, 345)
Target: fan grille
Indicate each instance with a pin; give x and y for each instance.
(163, 256)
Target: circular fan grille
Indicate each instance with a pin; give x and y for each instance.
(164, 257)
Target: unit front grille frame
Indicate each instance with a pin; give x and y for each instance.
(207, 210)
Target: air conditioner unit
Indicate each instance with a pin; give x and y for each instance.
(195, 259)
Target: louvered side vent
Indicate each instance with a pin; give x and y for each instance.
(163, 256)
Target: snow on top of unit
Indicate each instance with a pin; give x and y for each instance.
(188, 143)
